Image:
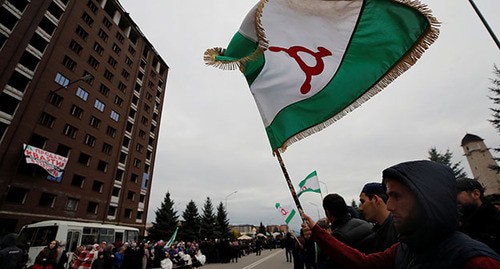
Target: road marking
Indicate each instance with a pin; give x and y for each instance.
(261, 260)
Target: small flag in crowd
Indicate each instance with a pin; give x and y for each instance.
(308, 63)
(172, 239)
(309, 184)
(286, 212)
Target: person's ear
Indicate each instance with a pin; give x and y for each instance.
(476, 194)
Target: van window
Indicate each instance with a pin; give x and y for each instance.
(36, 237)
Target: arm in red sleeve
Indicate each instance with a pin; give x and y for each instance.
(481, 262)
(350, 257)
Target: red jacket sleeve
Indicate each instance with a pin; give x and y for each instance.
(350, 257)
(481, 262)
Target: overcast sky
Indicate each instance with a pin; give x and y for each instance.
(212, 140)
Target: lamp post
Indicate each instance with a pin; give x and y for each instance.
(228, 196)
(317, 208)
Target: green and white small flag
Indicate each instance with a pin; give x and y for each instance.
(309, 184)
(310, 62)
(286, 212)
(172, 239)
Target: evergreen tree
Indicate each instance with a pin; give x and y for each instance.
(445, 159)
(166, 220)
(262, 229)
(495, 89)
(207, 220)
(221, 222)
(190, 229)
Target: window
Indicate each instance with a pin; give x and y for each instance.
(61, 80)
(116, 192)
(89, 140)
(147, 108)
(70, 131)
(78, 181)
(102, 166)
(83, 94)
(142, 134)
(116, 48)
(122, 87)
(75, 47)
(19, 4)
(139, 215)
(128, 213)
(29, 60)
(137, 162)
(47, 200)
(98, 48)
(38, 42)
(19, 81)
(131, 50)
(129, 127)
(99, 105)
(76, 111)
(112, 211)
(123, 157)
(95, 122)
(108, 75)
(55, 10)
(92, 6)
(106, 23)
(128, 61)
(55, 99)
(93, 62)
(119, 37)
(89, 81)
(149, 96)
(142, 198)
(63, 150)
(8, 20)
(106, 148)
(144, 120)
(84, 159)
(16, 195)
(134, 178)
(69, 63)
(139, 147)
(126, 142)
(125, 74)
(112, 61)
(119, 175)
(111, 131)
(47, 26)
(72, 204)
(87, 19)
(103, 35)
(47, 120)
(148, 155)
(115, 116)
(104, 90)
(118, 101)
(81, 32)
(92, 208)
(97, 186)
(131, 195)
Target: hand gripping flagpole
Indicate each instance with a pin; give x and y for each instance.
(290, 186)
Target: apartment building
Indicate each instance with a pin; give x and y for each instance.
(80, 80)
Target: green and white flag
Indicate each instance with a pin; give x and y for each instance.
(309, 62)
(286, 212)
(309, 184)
(172, 239)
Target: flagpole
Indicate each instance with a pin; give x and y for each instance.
(485, 23)
(290, 186)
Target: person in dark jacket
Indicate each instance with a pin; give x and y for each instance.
(373, 206)
(479, 218)
(422, 199)
(11, 257)
(46, 259)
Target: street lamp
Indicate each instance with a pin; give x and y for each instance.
(228, 196)
(317, 208)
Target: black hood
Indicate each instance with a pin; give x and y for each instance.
(434, 186)
(9, 240)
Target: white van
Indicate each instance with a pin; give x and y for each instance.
(38, 235)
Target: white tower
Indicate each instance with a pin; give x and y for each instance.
(480, 160)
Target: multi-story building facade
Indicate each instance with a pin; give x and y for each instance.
(80, 80)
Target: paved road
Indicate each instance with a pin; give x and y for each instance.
(269, 259)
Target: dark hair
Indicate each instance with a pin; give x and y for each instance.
(336, 205)
(469, 184)
(375, 188)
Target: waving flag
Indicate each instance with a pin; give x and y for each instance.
(172, 239)
(309, 184)
(286, 212)
(309, 62)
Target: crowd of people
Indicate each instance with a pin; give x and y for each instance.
(419, 216)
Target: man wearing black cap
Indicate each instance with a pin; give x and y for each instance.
(422, 199)
(479, 218)
(373, 201)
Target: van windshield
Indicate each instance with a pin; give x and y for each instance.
(37, 236)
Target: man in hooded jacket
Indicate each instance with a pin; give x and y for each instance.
(11, 257)
(422, 199)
